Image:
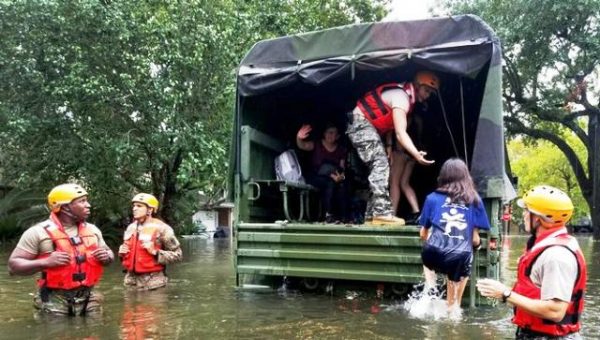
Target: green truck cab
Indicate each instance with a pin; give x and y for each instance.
(316, 77)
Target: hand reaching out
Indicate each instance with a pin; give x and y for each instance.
(421, 159)
(491, 288)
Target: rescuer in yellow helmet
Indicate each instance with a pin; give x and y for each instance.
(551, 275)
(68, 252)
(149, 244)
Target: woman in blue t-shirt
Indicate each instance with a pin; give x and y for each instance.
(451, 218)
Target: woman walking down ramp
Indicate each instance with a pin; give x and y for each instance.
(451, 218)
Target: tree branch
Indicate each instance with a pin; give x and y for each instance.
(127, 179)
(576, 114)
(585, 102)
(557, 116)
(519, 127)
(513, 77)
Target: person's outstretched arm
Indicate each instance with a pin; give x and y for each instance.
(400, 105)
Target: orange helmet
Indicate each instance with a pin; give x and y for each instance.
(428, 78)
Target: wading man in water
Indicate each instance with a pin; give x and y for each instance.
(149, 245)
(551, 275)
(67, 251)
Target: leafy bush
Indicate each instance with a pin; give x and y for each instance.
(19, 209)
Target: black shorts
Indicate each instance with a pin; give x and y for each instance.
(455, 264)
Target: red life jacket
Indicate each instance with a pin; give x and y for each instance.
(138, 259)
(379, 113)
(83, 270)
(572, 321)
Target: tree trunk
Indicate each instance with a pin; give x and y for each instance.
(170, 191)
(170, 170)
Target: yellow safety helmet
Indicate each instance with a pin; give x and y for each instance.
(64, 194)
(428, 78)
(552, 204)
(147, 199)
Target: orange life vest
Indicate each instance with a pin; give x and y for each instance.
(379, 113)
(572, 321)
(83, 270)
(138, 259)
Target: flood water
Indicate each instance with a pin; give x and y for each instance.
(202, 303)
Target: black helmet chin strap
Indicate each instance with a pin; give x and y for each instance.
(149, 211)
(532, 231)
(66, 211)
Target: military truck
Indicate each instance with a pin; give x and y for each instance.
(316, 77)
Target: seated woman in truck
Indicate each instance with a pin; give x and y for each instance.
(451, 218)
(327, 170)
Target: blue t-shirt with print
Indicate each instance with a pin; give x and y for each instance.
(453, 223)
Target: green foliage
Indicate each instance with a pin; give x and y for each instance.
(19, 209)
(128, 96)
(191, 228)
(543, 163)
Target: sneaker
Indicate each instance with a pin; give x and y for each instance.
(387, 220)
(413, 218)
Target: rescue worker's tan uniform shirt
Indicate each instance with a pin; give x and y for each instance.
(170, 252)
(36, 241)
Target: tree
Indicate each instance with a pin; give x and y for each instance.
(542, 159)
(127, 96)
(551, 51)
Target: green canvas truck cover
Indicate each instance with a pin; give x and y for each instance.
(328, 70)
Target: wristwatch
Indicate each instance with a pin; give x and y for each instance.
(506, 294)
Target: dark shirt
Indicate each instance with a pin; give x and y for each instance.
(321, 155)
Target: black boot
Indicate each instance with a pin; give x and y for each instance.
(329, 218)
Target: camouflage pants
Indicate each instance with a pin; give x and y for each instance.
(524, 336)
(146, 281)
(368, 145)
(68, 302)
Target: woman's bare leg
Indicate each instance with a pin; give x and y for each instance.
(461, 289)
(395, 178)
(455, 292)
(451, 290)
(407, 190)
(430, 279)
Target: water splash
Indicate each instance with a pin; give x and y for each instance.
(284, 290)
(426, 301)
(426, 304)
